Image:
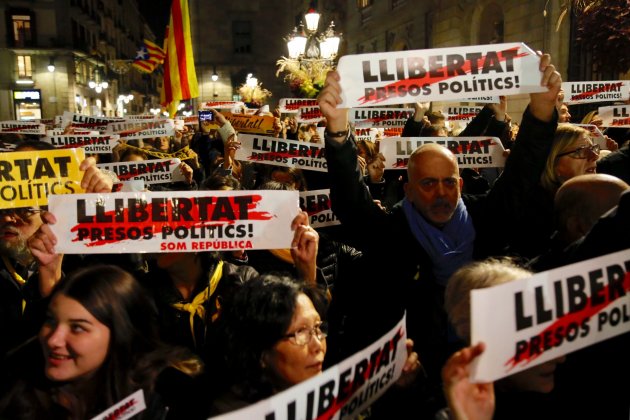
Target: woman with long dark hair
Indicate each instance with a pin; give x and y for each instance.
(98, 345)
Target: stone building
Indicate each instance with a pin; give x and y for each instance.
(53, 49)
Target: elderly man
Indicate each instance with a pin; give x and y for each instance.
(412, 251)
(19, 288)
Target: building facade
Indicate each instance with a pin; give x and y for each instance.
(59, 55)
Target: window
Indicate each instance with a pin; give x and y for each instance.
(24, 69)
(22, 28)
(242, 37)
(398, 3)
(362, 4)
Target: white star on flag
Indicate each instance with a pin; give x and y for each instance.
(142, 53)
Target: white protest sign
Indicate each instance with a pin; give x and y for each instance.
(158, 171)
(585, 92)
(380, 117)
(309, 114)
(597, 137)
(128, 130)
(189, 120)
(85, 121)
(471, 152)
(317, 204)
(90, 143)
(125, 409)
(221, 104)
(276, 151)
(173, 221)
(481, 100)
(400, 77)
(530, 321)
(291, 105)
(22, 127)
(615, 116)
(7, 147)
(462, 113)
(341, 391)
(369, 134)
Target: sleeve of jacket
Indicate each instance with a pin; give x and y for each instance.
(350, 197)
(412, 128)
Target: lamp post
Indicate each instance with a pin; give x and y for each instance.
(311, 55)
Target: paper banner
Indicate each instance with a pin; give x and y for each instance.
(615, 116)
(28, 178)
(90, 143)
(462, 113)
(317, 204)
(86, 122)
(22, 127)
(125, 409)
(585, 92)
(174, 221)
(400, 77)
(309, 114)
(133, 130)
(530, 321)
(380, 117)
(158, 171)
(281, 152)
(291, 105)
(597, 137)
(471, 152)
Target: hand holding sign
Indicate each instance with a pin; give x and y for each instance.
(543, 104)
(94, 181)
(467, 400)
(42, 246)
(304, 247)
(329, 98)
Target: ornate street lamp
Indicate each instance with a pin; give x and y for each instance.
(311, 56)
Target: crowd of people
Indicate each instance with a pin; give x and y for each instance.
(205, 333)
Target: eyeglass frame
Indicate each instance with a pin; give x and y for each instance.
(320, 331)
(594, 148)
(19, 213)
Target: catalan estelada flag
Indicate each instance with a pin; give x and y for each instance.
(148, 57)
(180, 80)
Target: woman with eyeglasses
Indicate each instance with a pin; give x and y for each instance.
(275, 337)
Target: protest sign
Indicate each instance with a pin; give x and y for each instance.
(530, 321)
(480, 100)
(158, 171)
(142, 129)
(189, 120)
(70, 119)
(173, 221)
(615, 116)
(256, 124)
(342, 391)
(291, 105)
(125, 409)
(585, 92)
(462, 113)
(28, 178)
(90, 143)
(22, 127)
(380, 117)
(400, 77)
(281, 152)
(309, 114)
(7, 147)
(369, 134)
(471, 152)
(317, 204)
(597, 137)
(221, 104)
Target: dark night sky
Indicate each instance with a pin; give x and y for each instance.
(156, 13)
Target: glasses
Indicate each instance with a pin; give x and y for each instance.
(303, 336)
(21, 214)
(582, 152)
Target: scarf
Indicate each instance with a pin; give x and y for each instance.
(196, 306)
(450, 247)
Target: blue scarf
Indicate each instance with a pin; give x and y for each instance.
(450, 247)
